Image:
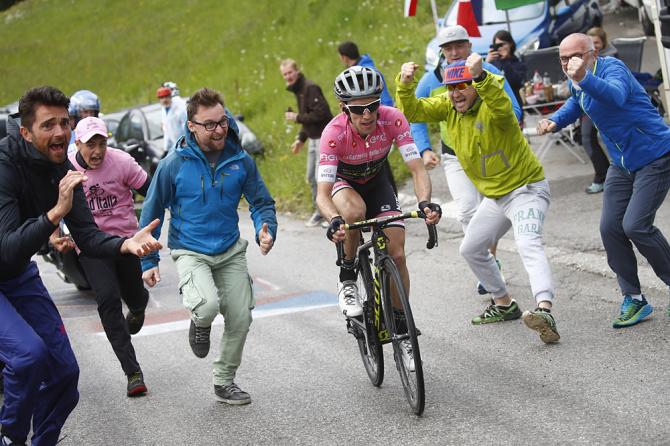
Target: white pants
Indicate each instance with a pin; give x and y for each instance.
(465, 194)
(524, 210)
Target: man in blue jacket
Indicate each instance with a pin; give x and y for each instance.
(201, 182)
(350, 56)
(638, 142)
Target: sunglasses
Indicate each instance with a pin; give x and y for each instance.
(459, 86)
(361, 109)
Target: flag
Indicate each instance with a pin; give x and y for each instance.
(509, 4)
(467, 19)
(410, 8)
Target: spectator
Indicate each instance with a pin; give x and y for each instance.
(314, 114)
(350, 56)
(112, 176)
(502, 56)
(202, 182)
(174, 114)
(38, 190)
(589, 132)
(499, 162)
(83, 103)
(638, 141)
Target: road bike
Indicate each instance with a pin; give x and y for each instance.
(378, 282)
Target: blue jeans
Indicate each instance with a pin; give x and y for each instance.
(41, 372)
(630, 202)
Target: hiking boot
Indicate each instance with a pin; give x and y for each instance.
(198, 337)
(135, 321)
(5, 441)
(314, 220)
(480, 288)
(542, 321)
(136, 386)
(347, 294)
(498, 313)
(595, 188)
(632, 311)
(407, 354)
(231, 394)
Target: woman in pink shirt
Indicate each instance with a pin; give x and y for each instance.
(112, 176)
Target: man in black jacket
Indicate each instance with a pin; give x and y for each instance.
(314, 114)
(38, 190)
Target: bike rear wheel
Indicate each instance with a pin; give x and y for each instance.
(412, 380)
(368, 344)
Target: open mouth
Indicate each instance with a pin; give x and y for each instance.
(58, 148)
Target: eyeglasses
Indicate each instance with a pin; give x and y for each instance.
(210, 126)
(566, 59)
(459, 86)
(361, 109)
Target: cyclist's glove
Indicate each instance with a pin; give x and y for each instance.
(334, 226)
(432, 206)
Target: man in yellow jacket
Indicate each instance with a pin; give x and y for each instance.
(497, 158)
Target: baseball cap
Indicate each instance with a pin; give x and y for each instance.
(455, 33)
(88, 127)
(163, 92)
(457, 72)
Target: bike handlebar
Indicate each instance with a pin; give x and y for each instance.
(381, 222)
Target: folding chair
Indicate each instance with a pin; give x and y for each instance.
(544, 60)
(629, 51)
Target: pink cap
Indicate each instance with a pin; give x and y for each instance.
(88, 127)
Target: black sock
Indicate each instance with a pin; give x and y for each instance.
(347, 271)
(400, 321)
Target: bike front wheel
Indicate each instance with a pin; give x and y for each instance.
(405, 342)
(368, 344)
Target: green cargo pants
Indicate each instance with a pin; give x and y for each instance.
(219, 284)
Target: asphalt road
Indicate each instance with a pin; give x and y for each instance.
(485, 385)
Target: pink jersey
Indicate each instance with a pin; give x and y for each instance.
(345, 154)
(108, 191)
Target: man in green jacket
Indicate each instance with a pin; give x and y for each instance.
(496, 157)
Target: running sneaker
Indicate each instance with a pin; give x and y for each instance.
(5, 441)
(347, 294)
(198, 337)
(595, 188)
(136, 386)
(231, 394)
(542, 321)
(314, 220)
(498, 313)
(632, 311)
(407, 354)
(480, 288)
(135, 321)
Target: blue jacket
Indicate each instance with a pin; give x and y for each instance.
(366, 61)
(432, 81)
(633, 131)
(203, 207)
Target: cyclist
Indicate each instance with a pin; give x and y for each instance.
(353, 176)
(83, 103)
(497, 158)
(174, 114)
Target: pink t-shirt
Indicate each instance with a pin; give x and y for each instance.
(345, 154)
(109, 191)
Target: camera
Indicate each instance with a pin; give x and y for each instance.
(495, 46)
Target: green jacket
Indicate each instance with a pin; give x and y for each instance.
(486, 139)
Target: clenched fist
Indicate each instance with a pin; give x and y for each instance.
(576, 69)
(545, 126)
(474, 64)
(407, 72)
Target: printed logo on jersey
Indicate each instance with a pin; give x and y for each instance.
(386, 208)
(328, 157)
(97, 200)
(398, 122)
(331, 144)
(403, 135)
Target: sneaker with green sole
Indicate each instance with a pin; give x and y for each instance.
(632, 311)
(498, 313)
(542, 321)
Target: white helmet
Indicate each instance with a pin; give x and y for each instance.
(173, 87)
(358, 82)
